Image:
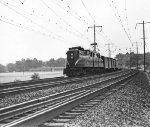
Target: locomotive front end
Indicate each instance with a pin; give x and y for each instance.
(72, 57)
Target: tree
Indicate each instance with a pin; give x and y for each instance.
(60, 62)
(125, 59)
(2, 68)
(11, 67)
(19, 66)
(27, 64)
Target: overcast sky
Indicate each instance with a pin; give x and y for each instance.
(45, 29)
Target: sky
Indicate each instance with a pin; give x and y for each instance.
(45, 29)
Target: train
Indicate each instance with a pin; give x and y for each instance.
(82, 61)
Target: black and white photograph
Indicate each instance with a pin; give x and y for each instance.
(74, 63)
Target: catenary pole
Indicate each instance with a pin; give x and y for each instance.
(144, 43)
(109, 51)
(137, 59)
(94, 44)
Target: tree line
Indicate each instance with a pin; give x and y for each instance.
(28, 64)
(125, 59)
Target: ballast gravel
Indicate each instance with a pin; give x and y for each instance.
(27, 96)
(128, 107)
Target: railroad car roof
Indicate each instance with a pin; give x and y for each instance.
(78, 47)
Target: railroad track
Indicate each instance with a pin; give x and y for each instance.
(20, 87)
(37, 111)
(28, 82)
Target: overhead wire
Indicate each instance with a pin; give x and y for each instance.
(119, 19)
(22, 2)
(33, 22)
(75, 13)
(21, 26)
(88, 11)
(41, 15)
(32, 13)
(92, 18)
(63, 20)
(90, 15)
(7, 5)
(127, 21)
(18, 12)
(69, 10)
(94, 21)
(69, 24)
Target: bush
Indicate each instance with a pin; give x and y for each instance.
(16, 80)
(35, 76)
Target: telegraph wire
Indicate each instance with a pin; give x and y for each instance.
(8, 5)
(60, 18)
(31, 14)
(24, 11)
(126, 15)
(119, 19)
(81, 35)
(57, 36)
(69, 11)
(75, 13)
(22, 2)
(104, 35)
(88, 11)
(30, 20)
(21, 26)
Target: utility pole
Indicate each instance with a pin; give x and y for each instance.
(109, 51)
(94, 44)
(143, 23)
(137, 54)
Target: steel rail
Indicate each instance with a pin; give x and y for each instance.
(20, 88)
(38, 117)
(28, 82)
(42, 103)
(34, 82)
(11, 110)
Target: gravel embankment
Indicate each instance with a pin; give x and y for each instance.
(128, 107)
(19, 98)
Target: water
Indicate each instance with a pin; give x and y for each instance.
(13, 76)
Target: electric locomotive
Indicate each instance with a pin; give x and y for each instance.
(80, 62)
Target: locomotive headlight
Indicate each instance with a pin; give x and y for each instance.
(71, 56)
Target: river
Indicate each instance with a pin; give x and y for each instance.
(14, 76)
